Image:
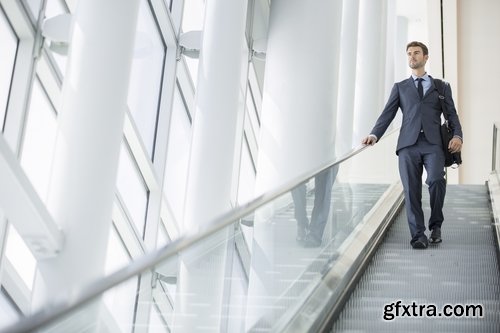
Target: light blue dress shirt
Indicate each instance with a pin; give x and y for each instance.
(426, 83)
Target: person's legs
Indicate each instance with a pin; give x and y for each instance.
(300, 212)
(410, 171)
(322, 202)
(434, 165)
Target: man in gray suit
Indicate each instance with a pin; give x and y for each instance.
(419, 143)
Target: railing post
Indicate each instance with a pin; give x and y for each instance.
(494, 149)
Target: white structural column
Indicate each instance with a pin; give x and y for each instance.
(88, 145)
(219, 101)
(298, 122)
(401, 68)
(371, 61)
(347, 76)
(300, 90)
(391, 38)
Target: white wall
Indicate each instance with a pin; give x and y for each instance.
(478, 26)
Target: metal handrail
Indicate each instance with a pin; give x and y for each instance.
(55, 311)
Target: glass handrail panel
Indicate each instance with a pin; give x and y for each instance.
(287, 267)
(246, 271)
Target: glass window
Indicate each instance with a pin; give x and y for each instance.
(20, 257)
(164, 296)
(132, 189)
(192, 20)
(54, 8)
(9, 313)
(156, 322)
(252, 112)
(146, 76)
(34, 6)
(178, 155)
(8, 40)
(255, 91)
(162, 237)
(39, 140)
(247, 176)
(120, 300)
(117, 256)
(169, 4)
(238, 305)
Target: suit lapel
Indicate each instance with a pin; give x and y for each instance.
(411, 85)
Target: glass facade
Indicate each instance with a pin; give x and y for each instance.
(9, 314)
(177, 166)
(8, 40)
(153, 163)
(39, 140)
(146, 76)
(132, 189)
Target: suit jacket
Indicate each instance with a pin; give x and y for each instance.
(417, 114)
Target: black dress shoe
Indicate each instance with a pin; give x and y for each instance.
(301, 235)
(435, 236)
(311, 241)
(420, 243)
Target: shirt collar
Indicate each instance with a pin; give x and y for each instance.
(425, 77)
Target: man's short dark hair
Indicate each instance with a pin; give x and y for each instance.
(425, 50)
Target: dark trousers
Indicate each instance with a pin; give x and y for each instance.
(412, 160)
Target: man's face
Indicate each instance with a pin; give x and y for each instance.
(416, 57)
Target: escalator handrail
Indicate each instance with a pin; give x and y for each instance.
(52, 312)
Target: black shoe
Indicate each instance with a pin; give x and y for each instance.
(420, 243)
(301, 235)
(311, 241)
(435, 236)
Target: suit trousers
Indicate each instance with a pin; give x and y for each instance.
(323, 183)
(412, 160)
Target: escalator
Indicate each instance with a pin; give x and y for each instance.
(246, 272)
(453, 286)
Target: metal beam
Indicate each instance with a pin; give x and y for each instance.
(24, 209)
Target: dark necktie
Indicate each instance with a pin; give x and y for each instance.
(420, 88)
